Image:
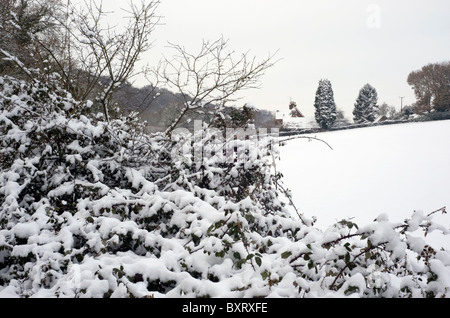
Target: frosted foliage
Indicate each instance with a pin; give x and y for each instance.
(366, 107)
(325, 105)
(96, 209)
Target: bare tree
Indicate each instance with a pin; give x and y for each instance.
(212, 77)
(431, 86)
(20, 22)
(95, 51)
(92, 57)
(386, 110)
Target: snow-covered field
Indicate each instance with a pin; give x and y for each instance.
(393, 169)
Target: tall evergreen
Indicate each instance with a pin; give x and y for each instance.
(325, 105)
(366, 107)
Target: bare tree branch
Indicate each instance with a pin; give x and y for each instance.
(213, 76)
(93, 51)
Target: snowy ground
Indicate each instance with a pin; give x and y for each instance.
(387, 169)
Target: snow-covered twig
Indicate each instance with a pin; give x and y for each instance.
(307, 137)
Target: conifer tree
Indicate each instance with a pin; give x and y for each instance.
(366, 107)
(325, 105)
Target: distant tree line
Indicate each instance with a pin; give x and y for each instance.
(96, 62)
(431, 85)
(158, 107)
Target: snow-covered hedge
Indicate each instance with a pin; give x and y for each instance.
(90, 208)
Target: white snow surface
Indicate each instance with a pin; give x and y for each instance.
(392, 170)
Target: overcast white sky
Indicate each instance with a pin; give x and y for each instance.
(349, 42)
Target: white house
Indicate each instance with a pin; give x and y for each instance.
(293, 118)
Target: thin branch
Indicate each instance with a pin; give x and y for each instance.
(365, 250)
(211, 77)
(307, 137)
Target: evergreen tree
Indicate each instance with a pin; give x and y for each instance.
(366, 107)
(325, 105)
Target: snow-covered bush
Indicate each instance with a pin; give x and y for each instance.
(91, 208)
